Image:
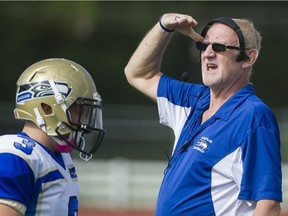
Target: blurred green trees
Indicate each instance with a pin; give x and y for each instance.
(102, 36)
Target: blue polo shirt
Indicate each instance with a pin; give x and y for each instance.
(225, 165)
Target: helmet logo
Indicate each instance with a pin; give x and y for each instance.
(41, 89)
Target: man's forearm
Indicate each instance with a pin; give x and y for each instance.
(267, 208)
(146, 60)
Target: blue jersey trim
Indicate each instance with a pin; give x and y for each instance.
(16, 178)
(50, 177)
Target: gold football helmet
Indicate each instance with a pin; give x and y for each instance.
(75, 106)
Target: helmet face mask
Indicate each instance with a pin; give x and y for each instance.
(85, 120)
(86, 113)
(70, 93)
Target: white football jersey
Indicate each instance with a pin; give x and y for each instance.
(44, 182)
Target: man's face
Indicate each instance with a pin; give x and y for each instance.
(220, 71)
(79, 114)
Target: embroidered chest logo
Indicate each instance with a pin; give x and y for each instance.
(202, 144)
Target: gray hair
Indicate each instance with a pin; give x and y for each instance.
(251, 36)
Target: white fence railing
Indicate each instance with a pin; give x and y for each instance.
(285, 187)
(124, 184)
(119, 183)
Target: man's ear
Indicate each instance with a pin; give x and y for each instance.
(46, 108)
(253, 55)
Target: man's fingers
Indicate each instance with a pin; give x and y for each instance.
(195, 36)
(182, 23)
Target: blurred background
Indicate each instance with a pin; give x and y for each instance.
(127, 170)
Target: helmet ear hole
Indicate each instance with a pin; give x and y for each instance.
(46, 108)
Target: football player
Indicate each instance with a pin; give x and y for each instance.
(62, 111)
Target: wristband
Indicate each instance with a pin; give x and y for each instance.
(163, 27)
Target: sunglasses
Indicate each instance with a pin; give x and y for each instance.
(216, 47)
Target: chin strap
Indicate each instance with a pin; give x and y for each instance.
(39, 120)
(64, 147)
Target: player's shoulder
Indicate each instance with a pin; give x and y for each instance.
(25, 150)
(18, 144)
(7, 141)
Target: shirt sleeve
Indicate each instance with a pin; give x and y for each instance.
(262, 177)
(16, 178)
(176, 100)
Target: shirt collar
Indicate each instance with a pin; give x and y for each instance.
(232, 103)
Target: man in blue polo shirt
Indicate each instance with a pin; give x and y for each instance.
(226, 158)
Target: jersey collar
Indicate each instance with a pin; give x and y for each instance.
(232, 103)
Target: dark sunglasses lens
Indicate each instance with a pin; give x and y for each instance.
(201, 46)
(198, 45)
(218, 47)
